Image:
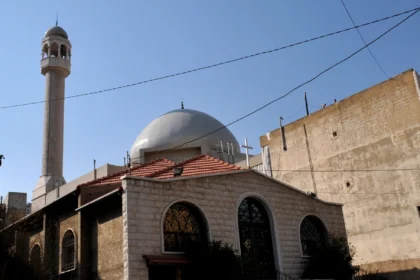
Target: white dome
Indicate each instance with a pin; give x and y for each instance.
(174, 128)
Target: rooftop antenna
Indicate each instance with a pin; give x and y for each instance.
(306, 105)
(94, 169)
(228, 151)
(56, 20)
(129, 163)
(221, 148)
(233, 152)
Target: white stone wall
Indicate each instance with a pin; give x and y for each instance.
(218, 197)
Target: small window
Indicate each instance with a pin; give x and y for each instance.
(68, 251)
(334, 133)
(418, 210)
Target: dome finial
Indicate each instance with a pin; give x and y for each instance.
(182, 104)
(56, 20)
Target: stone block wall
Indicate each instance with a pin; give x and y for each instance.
(218, 197)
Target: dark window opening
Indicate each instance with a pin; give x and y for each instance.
(312, 234)
(68, 251)
(35, 258)
(255, 237)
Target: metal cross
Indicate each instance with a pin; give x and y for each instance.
(247, 148)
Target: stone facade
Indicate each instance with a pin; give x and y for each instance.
(145, 202)
(98, 238)
(377, 129)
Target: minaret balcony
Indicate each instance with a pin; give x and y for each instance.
(55, 63)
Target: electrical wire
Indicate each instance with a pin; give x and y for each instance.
(212, 65)
(297, 87)
(364, 41)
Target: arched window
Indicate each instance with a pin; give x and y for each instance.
(45, 51)
(54, 49)
(63, 51)
(312, 234)
(68, 250)
(255, 235)
(183, 224)
(35, 258)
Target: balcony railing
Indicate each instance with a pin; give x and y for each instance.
(55, 62)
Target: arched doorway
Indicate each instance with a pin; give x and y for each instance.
(255, 238)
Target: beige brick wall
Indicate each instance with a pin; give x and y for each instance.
(218, 197)
(377, 129)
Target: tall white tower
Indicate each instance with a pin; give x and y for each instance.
(55, 66)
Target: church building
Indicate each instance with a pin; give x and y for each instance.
(180, 184)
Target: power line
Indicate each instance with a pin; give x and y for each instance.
(363, 39)
(213, 65)
(299, 86)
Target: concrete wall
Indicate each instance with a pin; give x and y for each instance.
(40, 199)
(145, 202)
(102, 171)
(15, 206)
(376, 129)
(15, 200)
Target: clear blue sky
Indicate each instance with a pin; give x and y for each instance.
(116, 43)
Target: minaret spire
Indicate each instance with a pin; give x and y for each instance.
(55, 66)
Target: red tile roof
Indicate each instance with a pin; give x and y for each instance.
(141, 171)
(163, 169)
(199, 165)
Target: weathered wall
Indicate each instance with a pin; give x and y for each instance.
(15, 206)
(377, 129)
(144, 204)
(109, 244)
(87, 194)
(15, 200)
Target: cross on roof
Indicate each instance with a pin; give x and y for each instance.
(247, 148)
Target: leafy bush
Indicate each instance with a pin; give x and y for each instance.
(331, 260)
(212, 260)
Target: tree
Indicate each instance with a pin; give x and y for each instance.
(331, 260)
(212, 260)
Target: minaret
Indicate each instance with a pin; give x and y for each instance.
(55, 66)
